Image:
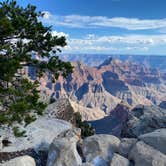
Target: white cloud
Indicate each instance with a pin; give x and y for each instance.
(125, 39)
(59, 34)
(78, 21)
(91, 42)
(137, 48)
(47, 14)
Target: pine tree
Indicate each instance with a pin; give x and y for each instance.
(21, 34)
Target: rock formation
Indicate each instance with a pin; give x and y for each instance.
(156, 139)
(118, 160)
(20, 161)
(63, 150)
(106, 150)
(39, 135)
(64, 109)
(95, 91)
(143, 143)
(98, 146)
(144, 119)
(103, 87)
(144, 155)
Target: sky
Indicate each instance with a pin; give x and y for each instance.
(107, 26)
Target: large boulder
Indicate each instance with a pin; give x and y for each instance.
(144, 119)
(100, 147)
(20, 161)
(100, 161)
(39, 135)
(63, 150)
(61, 109)
(126, 145)
(157, 139)
(144, 155)
(118, 160)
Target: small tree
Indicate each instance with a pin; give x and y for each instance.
(21, 33)
(86, 129)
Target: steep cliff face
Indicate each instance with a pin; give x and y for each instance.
(105, 86)
(87, 86)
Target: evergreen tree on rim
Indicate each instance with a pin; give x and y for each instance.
(21, 33)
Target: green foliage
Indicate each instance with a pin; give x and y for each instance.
(29, 119)
(21, 34)
(18, 133)
(86, 129)
(3, 118)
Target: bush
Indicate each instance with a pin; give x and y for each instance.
(18, 133)
(86, 128)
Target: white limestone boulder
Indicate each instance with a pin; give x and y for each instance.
(119, 160)
(156, 139)
(145, 155)
(39, 135)
(63, 150)
(126, 145)
(100, 146)
(20, 161)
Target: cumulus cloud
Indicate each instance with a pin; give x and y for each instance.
(46, 15)
(59, 34)
(128, 43)
(125, 39)
(78, 21)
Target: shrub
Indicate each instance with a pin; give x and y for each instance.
(86, 128)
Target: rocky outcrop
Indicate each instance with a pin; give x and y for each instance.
(97, 59)
(144, 155)
(20, 161)
(118, 160)
(39, 135)
(63, 145)
(87, 113)
(102, 150)
(105, 86)
(61, 109)
(63, 150)
(156, 139)
(121, 112)
(126, 145)
(102, 88)
(144, 119)
(100, 147)
(65, 109)
(113, 124)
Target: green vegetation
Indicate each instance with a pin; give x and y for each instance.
(21, 34)
(86, 129)
(18, 133)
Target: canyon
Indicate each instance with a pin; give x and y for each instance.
(96, 91)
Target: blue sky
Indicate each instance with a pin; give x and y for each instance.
(107, 26)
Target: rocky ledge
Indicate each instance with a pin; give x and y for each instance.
(142, 143)
(67, 149)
